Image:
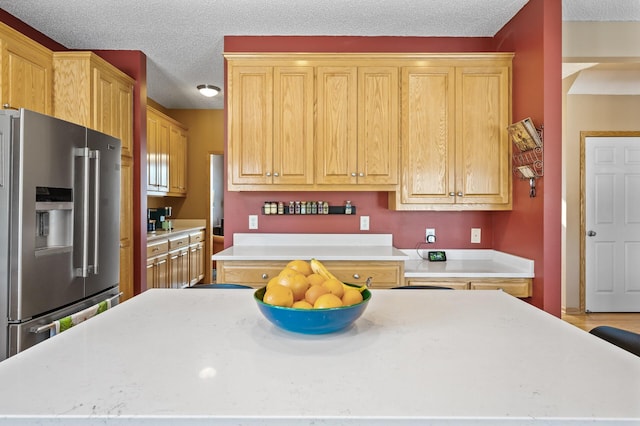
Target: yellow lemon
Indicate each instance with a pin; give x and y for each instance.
(327, 301)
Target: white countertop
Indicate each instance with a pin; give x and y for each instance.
(468, 264)
(180, 226)
(372, 247)
(306, 246)
(415, 357)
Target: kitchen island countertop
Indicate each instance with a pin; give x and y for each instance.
(208, 357)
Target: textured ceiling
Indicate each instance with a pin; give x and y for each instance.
(183, 41)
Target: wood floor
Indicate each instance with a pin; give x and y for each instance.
(626, 321)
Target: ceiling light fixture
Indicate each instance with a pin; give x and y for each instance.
(208, 90)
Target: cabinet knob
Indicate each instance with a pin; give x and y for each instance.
(361, 175)
(268, 174)
(452, 194)
(353, 175)
(265, 276)
(276, 174)
(356, 276)
(459, 194)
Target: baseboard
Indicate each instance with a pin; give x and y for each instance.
(572, 311)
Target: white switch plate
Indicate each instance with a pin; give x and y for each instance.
(253, 221)
(364, 223)
(475, 235)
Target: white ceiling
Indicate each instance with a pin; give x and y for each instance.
(184, 41)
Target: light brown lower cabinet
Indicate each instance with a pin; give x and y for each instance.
(518, 287)
(176, 261)
(384, 274)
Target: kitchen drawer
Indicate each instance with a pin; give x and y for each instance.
(179, 242)
(253, 273)
(454, 283)
(157, 247)
(518, 287)
(196, 237)
(384, 274)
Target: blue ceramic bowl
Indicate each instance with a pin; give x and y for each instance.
(311, 321)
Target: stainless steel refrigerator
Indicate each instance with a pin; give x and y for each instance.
(59, 224)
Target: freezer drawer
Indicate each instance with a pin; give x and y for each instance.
(22, 336)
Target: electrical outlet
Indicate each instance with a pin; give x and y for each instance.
(253, 221)
(364, 223)
(430, 235)
(475, 235)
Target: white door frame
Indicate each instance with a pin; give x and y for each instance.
(583, 214)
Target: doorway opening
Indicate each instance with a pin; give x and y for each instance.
(216, 205)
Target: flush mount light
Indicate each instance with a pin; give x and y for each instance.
(208, 90)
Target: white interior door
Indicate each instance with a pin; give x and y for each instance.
(612, 224)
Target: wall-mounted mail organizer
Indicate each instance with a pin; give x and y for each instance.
(528, 153)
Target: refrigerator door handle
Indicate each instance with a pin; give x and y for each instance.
(83, 270)
(95, 155)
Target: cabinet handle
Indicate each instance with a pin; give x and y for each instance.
(265, 276)
(353, 174)
(276, 174)
(268, 174)
(452, 194)
(361, 175)
(459, 194)
(356, 276)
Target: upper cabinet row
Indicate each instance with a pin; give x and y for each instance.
(428, 128)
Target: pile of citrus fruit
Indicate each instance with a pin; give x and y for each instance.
(299, 285)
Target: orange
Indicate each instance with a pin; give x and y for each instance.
(315, 279)
(288, 272)
(273, 281)
(327, 301)
(298, 285)
(301, 266)
(314, 292)
(351, 297)
(302, 304)
(334, 286)
(278, 295)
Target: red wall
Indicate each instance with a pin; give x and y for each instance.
(535, 35)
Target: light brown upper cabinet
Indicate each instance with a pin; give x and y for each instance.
(357, 130)
(455, 151)
(271, 126)
(26, 72)
(166, 155)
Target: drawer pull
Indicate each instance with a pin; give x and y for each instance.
(356, 276)
(265, 276)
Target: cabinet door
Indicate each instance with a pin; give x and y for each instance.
(454, 283)
(250, 121)
(194, 270)
(126, 227)
(483, 151)
(124, 115)
(377, 160)
(177, 161)
(518, 287)
(27, 72)
(293, 125)
(384, 274)
(105, 94)
(428, 154)
(337, 126)
(152, 151)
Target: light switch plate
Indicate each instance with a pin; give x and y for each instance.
(364, 223)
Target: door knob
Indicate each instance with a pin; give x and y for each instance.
(591, 233)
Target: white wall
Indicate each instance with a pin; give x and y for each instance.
(603, 42)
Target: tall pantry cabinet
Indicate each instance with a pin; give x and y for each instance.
(89, 91)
